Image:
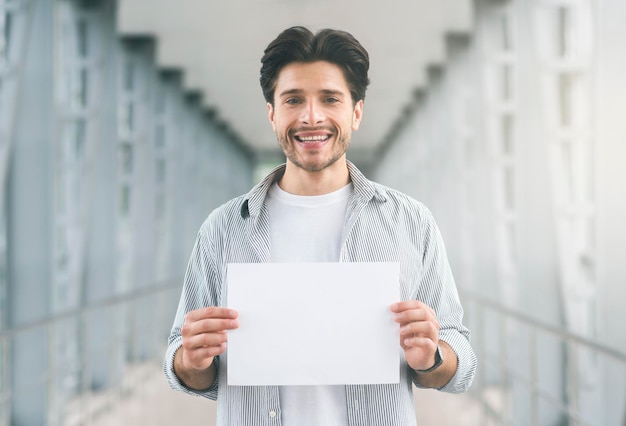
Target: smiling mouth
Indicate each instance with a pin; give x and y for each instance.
(310, 139)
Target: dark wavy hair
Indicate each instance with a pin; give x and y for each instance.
(299, 44)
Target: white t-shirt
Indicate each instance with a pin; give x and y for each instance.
(309, 229)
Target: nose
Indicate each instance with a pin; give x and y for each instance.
(312, 113)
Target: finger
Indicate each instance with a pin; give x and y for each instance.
(204, 340)
(406, 304)
(211, 312)
(215, 324)
(213, 351)
(211, 325)
(201, 358)
(419, 314)
(424, 343)
(420, 329)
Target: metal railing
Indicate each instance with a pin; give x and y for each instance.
(534, 373)
(586, 386)
(137, 326)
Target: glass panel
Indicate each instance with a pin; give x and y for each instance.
(130, 117)
(60, 195)
(80, 132)
(505, 72)
(563, 28)
(587, 261)
(159, 105)
(129, 80)
(125, 122)
(82, 38)
(509, 188)
(565, 99)
(506, 33)
(507, 134)
(511, 242)
(589, 159)
(568, 171)
(5, 35)
(159, 136)
(61, 247)
(84, 87)
(160, 170)
(79, 139)
(125, 200)
(126, 153)
(160, 206)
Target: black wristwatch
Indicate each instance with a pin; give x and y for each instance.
(438, 362)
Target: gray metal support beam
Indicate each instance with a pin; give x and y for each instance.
(101, 242)
(30, 223)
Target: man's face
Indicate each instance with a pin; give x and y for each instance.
(313, 114)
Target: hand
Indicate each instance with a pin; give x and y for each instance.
(204, 336)
(419, 332)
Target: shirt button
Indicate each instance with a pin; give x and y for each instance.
(272, 414)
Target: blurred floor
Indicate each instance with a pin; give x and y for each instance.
(154, 403)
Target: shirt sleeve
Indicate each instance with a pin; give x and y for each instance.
(438, 290)
(200, 289)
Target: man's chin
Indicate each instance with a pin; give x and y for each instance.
(314, 166)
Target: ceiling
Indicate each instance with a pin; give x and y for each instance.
(219, 43)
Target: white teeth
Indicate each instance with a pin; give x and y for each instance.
(313, 138)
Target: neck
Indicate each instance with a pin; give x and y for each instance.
(301, 182)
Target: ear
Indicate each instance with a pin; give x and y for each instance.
(357, 115)
(270, 115)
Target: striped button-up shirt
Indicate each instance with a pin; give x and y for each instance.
(381, 225)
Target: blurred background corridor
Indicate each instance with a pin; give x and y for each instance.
(123, 123)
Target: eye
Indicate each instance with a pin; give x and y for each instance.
(292, 101)
(331, 100)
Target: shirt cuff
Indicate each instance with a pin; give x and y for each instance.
(466, 365)
(176, 383)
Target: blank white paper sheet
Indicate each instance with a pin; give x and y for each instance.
(313, 324)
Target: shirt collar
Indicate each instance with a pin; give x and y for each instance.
(253, 201)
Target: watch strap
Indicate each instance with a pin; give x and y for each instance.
(438, 362)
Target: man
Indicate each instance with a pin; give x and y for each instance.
(318, 207)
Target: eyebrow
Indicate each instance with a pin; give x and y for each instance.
(290, 92)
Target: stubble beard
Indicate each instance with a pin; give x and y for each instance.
(292, 156)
